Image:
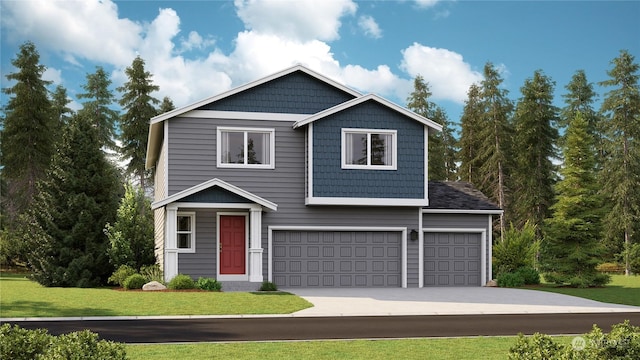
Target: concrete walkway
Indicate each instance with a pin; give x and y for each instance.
(445, 301)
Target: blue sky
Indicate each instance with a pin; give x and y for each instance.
(196, 49)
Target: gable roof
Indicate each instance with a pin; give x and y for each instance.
(219, 183)
(369, 97)
(155, 124)
(459, 197)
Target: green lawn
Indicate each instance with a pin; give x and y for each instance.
(450, 348)
(20, 297)
(622, 290)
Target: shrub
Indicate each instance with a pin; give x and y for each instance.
(623, 342)
(517, 249)
(152, 273)
(123, 272)
(510, 280)
(610, 268)
(530, 275)
(268, 286)
(181, 282)
(17, 344)
(135, 281)
(208, 284)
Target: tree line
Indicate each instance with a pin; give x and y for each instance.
(571, 172)
(60, 181)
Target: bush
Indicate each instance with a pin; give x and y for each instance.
(152, 273)
(610, 268)
(530, 275)
(208, 284)
(623, 342)
(135, 281)
(181, 282)
(510, 280)
(118, 276)
(517, 249)
(17, 344)
(268, 286)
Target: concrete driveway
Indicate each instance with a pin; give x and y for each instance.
(445, 301)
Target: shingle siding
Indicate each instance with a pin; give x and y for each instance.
(296, 93)
(330, 180)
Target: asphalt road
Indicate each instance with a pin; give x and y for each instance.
(309, 328)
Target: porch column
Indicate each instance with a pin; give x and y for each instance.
(171, 244)
(255, 245)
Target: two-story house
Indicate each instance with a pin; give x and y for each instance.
(302, 181)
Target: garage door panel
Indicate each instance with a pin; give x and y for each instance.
(451, 259)
(344, 259)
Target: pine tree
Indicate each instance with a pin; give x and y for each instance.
(495, 132)
(78, 197)
(536, 136)
(620, 176)
(166, 105)
(131, 236)
(470, 140)
(27, 142)
(570, 250)
(60, 111)
(441, 145)
(97, 109)
(139, 106)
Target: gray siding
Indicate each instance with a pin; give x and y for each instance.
(202, 263)
(330, 180)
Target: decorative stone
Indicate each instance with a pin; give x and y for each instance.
(491, 283)
(153, 286)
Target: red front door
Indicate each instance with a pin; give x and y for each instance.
(233, 250)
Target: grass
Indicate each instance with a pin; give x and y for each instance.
(622, 290)
(449, 348)
(21, 297)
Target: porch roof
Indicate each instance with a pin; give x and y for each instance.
(216, 183)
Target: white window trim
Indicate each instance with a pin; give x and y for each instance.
(192, 215)
(272, 147)
(394, 149)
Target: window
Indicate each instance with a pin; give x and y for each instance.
(186, 231)
(250, 148)
(369, 149)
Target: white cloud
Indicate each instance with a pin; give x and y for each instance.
(426, 3)
(446, 72)
(302, 20)
(369, 26)
(53, 75)
(87, 29)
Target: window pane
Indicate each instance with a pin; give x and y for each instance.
(381, 149)
(232, 147)
(356, 146)
(184, 241)
(258, 148)
(184, 223)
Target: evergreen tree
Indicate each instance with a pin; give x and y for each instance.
(441, 145)
(620, 176)
(60, 111)
(97, 109)
(139, 107)
(580, 98)
(27, 141)
(571, 250)
(131, 236)
(166, 105)
(534, 148)
(78, 197)
(470, 140)
(495, 132)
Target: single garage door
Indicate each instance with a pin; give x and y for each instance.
(336, 258)
(451, 259)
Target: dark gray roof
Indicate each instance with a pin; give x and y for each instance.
(457, 195)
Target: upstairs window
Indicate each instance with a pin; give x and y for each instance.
(246, 148)
(369, 149)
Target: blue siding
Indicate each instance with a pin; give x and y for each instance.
(330, 180)
(215, 195)
(296, 93)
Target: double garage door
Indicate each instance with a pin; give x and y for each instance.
(337, 258)
(452, 259)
